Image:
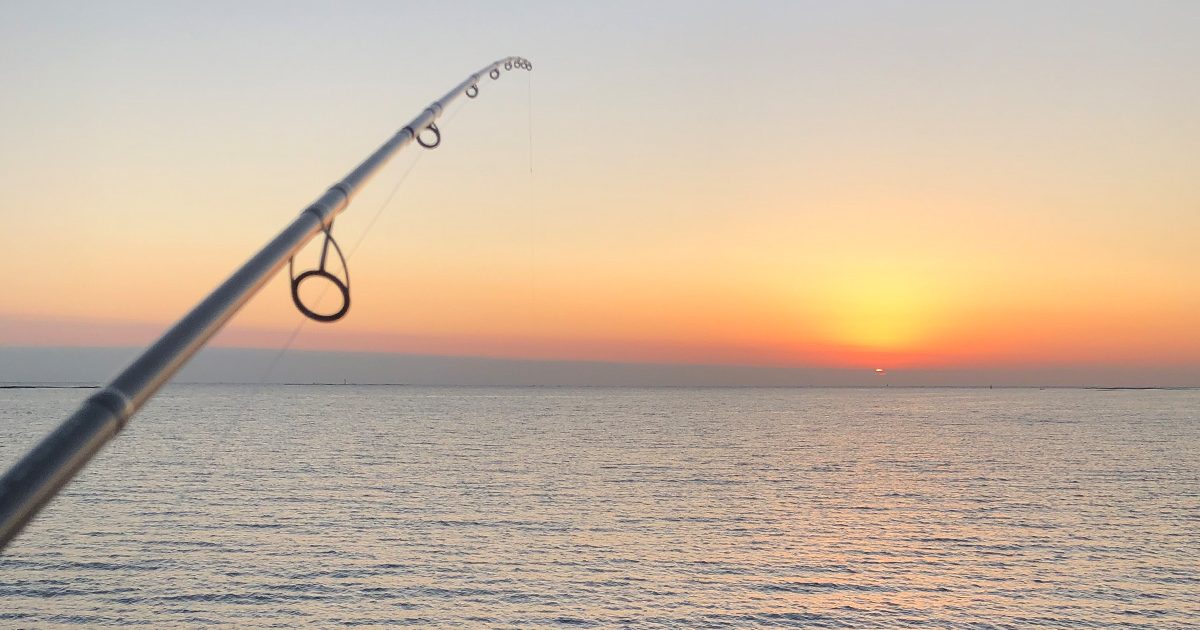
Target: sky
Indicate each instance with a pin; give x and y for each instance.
(930, 187)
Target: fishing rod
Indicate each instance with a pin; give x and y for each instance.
(44, 470)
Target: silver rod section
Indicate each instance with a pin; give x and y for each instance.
(42, 472)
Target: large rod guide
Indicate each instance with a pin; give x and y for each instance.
(38, 476)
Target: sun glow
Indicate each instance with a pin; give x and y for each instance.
(881, 312)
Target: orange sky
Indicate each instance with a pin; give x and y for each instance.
(934, 187)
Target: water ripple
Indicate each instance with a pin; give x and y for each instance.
(577, 508)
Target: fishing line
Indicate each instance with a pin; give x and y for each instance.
(531, 307)
(237, 424)
(350, 254)
(232, 430)
(529, 107)
(450, 115)
(532, 206)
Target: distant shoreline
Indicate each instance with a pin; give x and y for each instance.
(49, 386)
(89, 366)
(556, 386)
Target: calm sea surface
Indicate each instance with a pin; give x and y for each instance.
(274, 506)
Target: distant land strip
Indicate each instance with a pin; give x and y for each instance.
(82, 367)
(49, 386)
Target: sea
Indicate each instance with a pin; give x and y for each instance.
(273, 506)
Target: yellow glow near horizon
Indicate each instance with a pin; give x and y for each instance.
(880, 312)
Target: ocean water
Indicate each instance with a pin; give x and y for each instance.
(278, 506)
